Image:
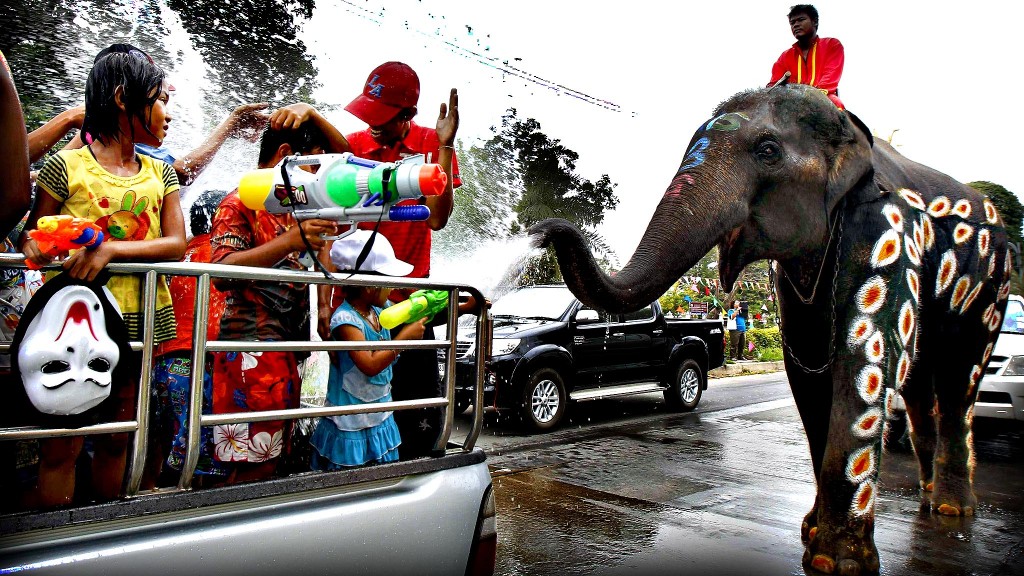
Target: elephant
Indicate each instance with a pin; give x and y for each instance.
(890, 277)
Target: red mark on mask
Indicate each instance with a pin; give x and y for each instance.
(78, 313)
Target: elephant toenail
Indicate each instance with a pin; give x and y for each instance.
(948, 510)
(812, 533)
(849, 568)
(823, 563)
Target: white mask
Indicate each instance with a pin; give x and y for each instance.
(66, 358)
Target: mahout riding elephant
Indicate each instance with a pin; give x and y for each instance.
(890, 276)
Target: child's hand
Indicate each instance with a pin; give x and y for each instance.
(87, 264)
(412, 331)
(248, 120)
(34, 255)
(312, 229)
(291, 117)
(323, 324)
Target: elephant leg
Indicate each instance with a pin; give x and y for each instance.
(875, 342)
(919, 397)
(813, 396)
(956, 390)
(843, 539)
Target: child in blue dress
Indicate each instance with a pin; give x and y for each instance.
(361, 376)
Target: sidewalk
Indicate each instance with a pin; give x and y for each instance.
(746, 367)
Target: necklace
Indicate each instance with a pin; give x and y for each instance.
(370, 316)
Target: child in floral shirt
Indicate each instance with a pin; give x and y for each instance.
(264, 311)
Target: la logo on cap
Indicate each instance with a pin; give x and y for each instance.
(375, 88)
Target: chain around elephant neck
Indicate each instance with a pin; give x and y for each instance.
(814, 292)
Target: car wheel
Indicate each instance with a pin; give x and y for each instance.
(683, 394)
(543, 401)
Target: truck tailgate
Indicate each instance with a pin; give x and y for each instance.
(416, 523)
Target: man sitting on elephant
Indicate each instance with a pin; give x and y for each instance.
(811, 60)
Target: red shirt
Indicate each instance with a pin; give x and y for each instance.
(411, 240)
(822, 68)
(264, 311)
(183, 293)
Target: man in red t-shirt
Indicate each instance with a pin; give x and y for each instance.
(387, 105)
(811, 60)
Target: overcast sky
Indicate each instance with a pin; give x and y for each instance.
(633, 80)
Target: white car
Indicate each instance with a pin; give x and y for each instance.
(1001, 394)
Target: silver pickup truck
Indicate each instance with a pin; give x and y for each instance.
(432, 515)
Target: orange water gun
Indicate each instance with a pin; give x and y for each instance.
(56, 234)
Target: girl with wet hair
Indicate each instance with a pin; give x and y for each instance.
(134, 200)
(137, 80)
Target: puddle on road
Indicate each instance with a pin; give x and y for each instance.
(600, 528)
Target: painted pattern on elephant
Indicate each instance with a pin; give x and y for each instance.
(892, 279)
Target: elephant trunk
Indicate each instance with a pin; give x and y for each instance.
(676, 238)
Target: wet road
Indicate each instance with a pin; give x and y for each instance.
(628, 488)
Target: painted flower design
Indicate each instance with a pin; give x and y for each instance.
(230, 441)
(249, 360)
(263, 446)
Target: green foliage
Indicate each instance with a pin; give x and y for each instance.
(517, 178)
(1012, 212)
(1010, 208)
(768, 354)
(483, 204)
(551, 188)
(765, 338)
(254, 48)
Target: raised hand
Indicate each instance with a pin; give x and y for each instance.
(248, 120)
(448, 120)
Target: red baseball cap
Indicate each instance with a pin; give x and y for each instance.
(391, 87)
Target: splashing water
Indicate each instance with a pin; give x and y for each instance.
(494, 267)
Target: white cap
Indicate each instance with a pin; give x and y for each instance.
(380, 259)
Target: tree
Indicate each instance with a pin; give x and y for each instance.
(1012, 213)
(1010, 208)
(254, 47)
(517, 178)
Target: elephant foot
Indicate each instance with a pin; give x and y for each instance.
(954, 503)
(840, 551)
(809, 527)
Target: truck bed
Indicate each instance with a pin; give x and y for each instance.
(217, 531)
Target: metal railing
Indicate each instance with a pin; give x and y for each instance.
(200, 346)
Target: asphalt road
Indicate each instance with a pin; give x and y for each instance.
(625, 487)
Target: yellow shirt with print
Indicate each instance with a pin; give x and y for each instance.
(125, 208)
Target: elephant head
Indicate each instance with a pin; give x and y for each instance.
(760, 179)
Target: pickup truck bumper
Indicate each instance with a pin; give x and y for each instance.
(420, 517)
(498, 390)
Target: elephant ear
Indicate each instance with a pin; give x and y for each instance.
(852, 159)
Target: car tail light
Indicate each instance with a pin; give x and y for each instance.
(485, 546)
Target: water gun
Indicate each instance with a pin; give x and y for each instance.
(56, 234)
(346, 188)
(421, 304)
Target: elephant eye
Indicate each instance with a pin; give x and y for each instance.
(99, 365)
(55, 367)
(768, 151)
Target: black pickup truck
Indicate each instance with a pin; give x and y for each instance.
(548, 348)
